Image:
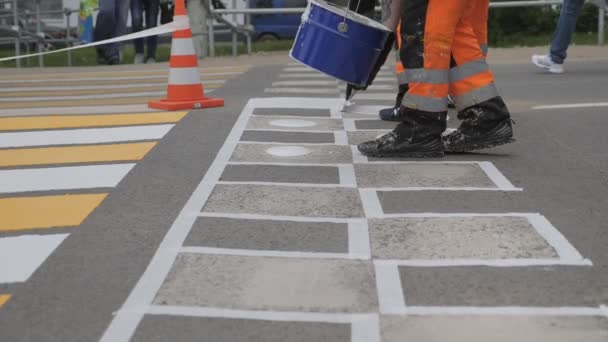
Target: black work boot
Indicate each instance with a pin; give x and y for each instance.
(485, 125)
(391, 114)
(417, 136)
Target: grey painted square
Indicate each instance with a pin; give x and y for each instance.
(422, 175)
(287, 123)
(162, 328)
(282, 174)
(543, 286)
(395, 202)
(358, 137)
(273, 153)
(285, 201)
(292, 112)
(288, 137)
(265, 283)
(321, 237)
(493, 329)
(457, 237)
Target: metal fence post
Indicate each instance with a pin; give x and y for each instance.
(18, 39)
(601, 15)
(67, 35)
(39, 34)
(211, 38)
(248, 24)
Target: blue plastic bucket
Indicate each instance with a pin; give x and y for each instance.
(338, 42)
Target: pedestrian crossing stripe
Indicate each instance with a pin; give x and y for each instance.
(74, 154)
(21, 213)
(78, 92)
(3, 299)
(72, 121)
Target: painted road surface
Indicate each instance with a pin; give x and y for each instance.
(261, 221)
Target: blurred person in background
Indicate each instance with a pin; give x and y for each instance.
(111, 23)
(554, 60)
(147, 9)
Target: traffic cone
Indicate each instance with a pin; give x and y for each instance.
(185, 90)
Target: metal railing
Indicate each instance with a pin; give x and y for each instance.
(502, 4)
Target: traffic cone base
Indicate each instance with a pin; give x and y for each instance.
(206, 102)
(185, 90)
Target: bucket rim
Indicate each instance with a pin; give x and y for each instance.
(354, 16)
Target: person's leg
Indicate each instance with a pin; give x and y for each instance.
(121, 13)
(429, 27)
(137, 8)
(480, 24)
(104, 26)
(389, 114)
(565, 27)
(151, 7)
(486, 120)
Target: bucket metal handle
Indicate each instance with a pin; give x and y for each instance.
(343, 26)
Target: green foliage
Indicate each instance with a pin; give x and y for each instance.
(507, 26)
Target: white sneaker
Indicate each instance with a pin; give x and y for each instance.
(139, 58)
(545, 62)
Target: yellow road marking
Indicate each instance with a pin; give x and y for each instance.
(73, 92)
(74, 154)
(78, 103)
(4, 298)
(20, 213)
(76, 82)
(124, 73)
(72, 121)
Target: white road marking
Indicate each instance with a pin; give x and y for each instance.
(272, 253)
(278, 316)
(275, 217)
(84, 97)
(340, 138)
(390, 290)
(500, 311)
(572, 105)
(288, 151)
(496, 176)
(303, 83)
(94, 87)
(292, 123)
(358, 238)
(317, 91)
(295, 185)
(21, 256)
(347, 175)
(371, 203)
(63, 178)
(83, 136)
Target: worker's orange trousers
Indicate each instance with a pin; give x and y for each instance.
(437, 34)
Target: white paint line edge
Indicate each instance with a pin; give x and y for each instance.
(340, 138)
(358, 238)
(347, 176)
(124, 323)
(572, 105)
(371, 203)
(367, 330)
(483, 262)
(349, 125)
(555, 238)
(295, 129)
(439, 188)
(287, 164)
(496, 176)
(21, 256)
(279, 316)
(280, 143)
(358, 158)
(275, 217)
(497, 311)
(297, 102)
(296, 185)
(271, 253)
(390, 291)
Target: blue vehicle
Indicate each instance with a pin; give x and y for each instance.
(276, 26)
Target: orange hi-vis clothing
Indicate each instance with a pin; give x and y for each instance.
(480, 24)
(435, 33)
(399, 68)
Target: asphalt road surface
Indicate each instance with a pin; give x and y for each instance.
(260, 221)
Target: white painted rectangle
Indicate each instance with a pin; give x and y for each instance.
(63, 178)
(21, 256)
(83, 136)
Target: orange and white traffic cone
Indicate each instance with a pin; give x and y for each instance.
(185, 90)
